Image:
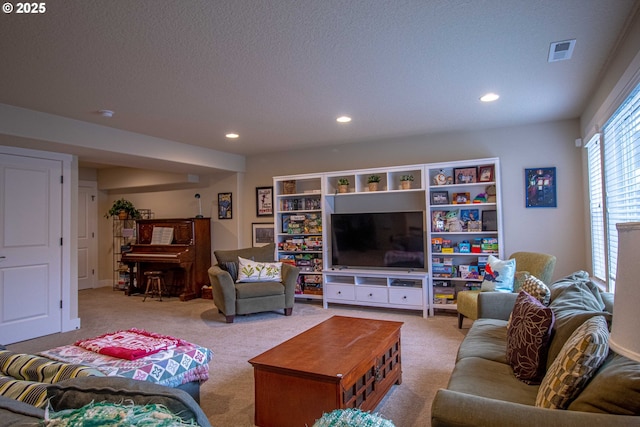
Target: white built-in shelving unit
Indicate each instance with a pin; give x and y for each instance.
(304, 205)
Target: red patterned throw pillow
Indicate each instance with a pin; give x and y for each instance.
(528, 338)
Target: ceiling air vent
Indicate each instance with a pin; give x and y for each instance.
(559, 51)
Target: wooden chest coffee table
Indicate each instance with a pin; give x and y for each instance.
(344, 362)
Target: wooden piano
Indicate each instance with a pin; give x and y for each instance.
(189, 253)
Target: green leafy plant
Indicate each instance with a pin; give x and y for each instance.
(123, 205)
(373, 178)
(406, 178)
(343, 181)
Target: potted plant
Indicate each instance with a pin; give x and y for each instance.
(123, 209)
(405, 181)
(373, 181)
(343, 185)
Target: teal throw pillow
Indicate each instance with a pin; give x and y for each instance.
(498, 275)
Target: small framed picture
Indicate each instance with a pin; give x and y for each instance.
(486, 173)
(264, 201)
(262, 233)
(224, 206)
(460, 199)
(465, 175)
(467, 215)
(489, 221)
(438, 220)
(439, 197)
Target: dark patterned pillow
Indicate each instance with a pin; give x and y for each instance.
(231, 268)
(528, 338)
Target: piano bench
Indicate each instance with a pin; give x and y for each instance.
(155, 284)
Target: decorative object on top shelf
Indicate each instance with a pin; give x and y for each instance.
(465, 175)
(343, 185)
(197, 196)
(373, 181)
(405, 181)
(264, 201)
(486, 173)
(440, 178)
(224, 206)
(289, 186)
(540, 188)
(123, 209)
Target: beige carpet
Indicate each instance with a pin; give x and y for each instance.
(428, 347)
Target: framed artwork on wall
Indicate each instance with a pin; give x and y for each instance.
(224, 206)
(264, 201)
(262, 233)
(540, 187)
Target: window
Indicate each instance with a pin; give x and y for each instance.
(615, 168)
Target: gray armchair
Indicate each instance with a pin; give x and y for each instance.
(233, 298)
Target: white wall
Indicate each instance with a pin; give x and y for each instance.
(559, 231)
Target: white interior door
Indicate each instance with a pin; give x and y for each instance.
(87, 248)
(30, 247)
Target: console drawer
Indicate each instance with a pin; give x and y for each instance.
(339, 292)
(372, 294)
(406, 296)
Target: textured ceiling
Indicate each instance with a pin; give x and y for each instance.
(279, 72)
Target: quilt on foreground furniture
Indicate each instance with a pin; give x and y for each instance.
(76, 394)
(171, 367)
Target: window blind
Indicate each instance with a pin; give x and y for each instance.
(621, 155)
(596, 207)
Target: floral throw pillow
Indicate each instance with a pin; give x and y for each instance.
(528, 338)
(252, 271)
(498, 275)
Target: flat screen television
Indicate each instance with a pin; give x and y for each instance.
(393, 240)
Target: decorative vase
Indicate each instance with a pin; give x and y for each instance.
(343, 188)
(373, 186)
(406, 185)
(123, 215)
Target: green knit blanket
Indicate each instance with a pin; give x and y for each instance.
(116, 415)
(351, 418)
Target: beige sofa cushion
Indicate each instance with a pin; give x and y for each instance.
(615, 389)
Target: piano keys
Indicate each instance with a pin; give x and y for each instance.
(189, 252)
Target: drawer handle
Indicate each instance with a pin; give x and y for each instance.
(370, 295)
(339, 292)
(404, 297)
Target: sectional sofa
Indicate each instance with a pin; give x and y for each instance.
(484, 391)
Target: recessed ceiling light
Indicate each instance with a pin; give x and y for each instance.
(105, 113)
(490, 97)
(232, 135)
(343, 119)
